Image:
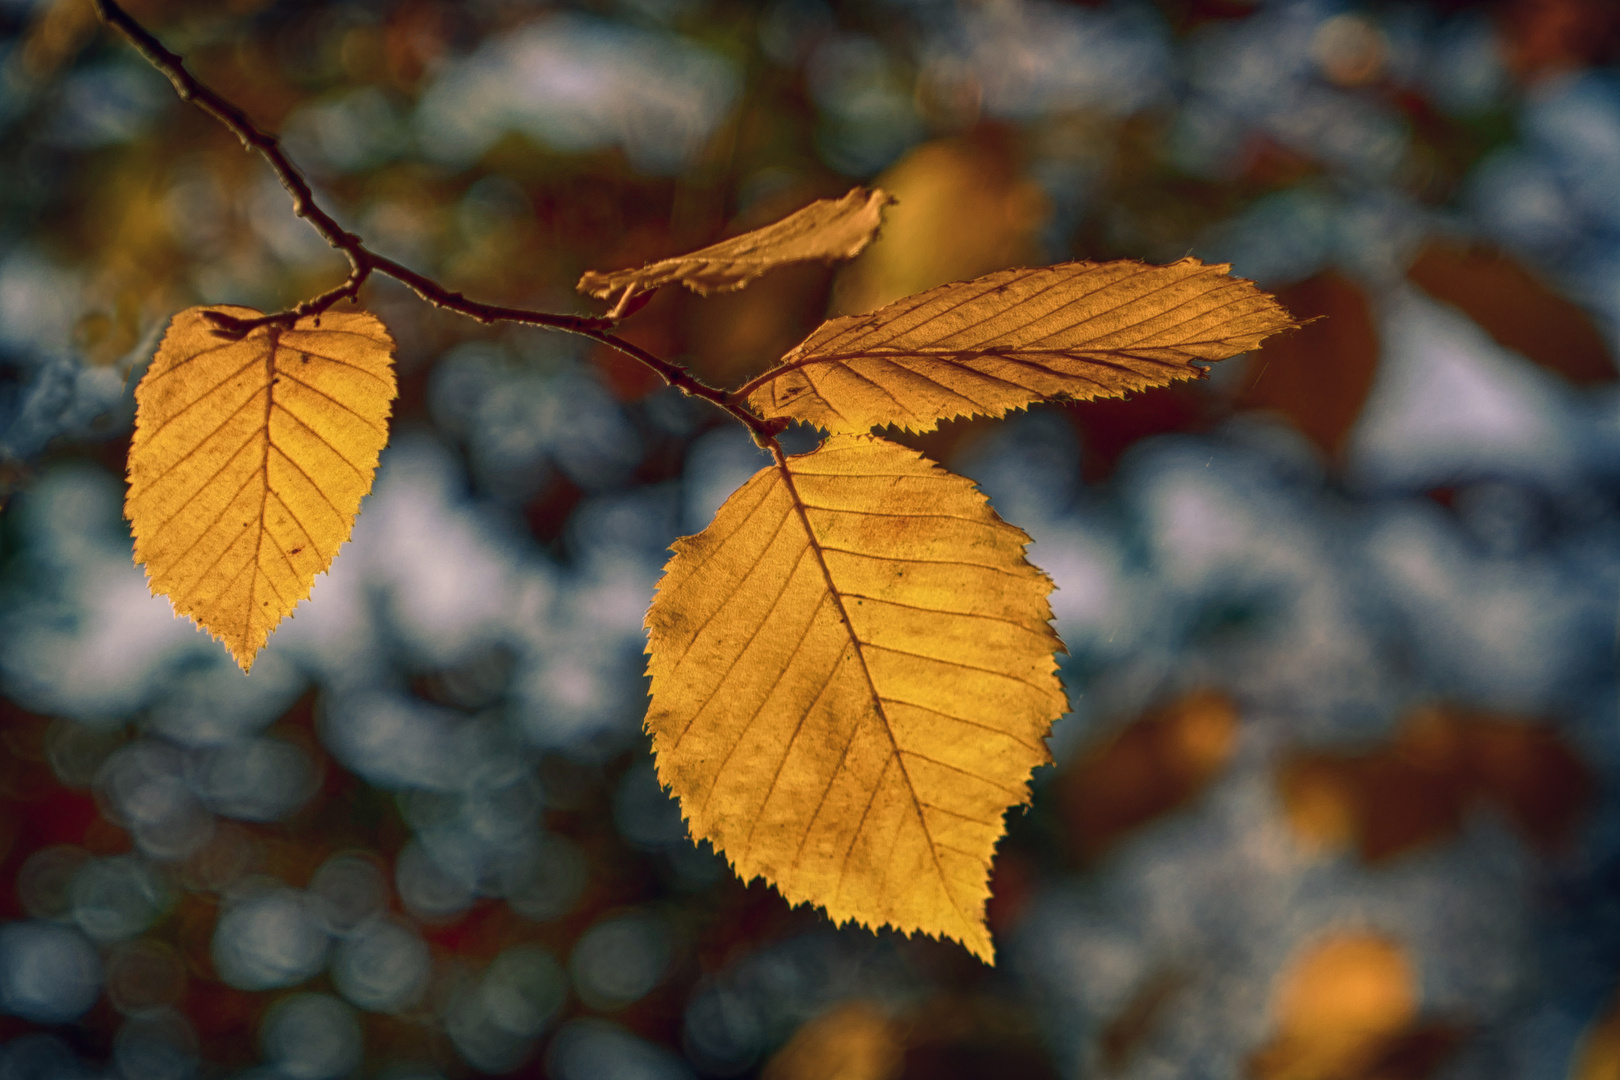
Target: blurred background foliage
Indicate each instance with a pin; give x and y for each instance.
(1337, 798)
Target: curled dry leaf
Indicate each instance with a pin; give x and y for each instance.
(250, 458)
(1003, 341)
(827, 229)
(852, 674)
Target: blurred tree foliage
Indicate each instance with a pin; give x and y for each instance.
(1337, 799)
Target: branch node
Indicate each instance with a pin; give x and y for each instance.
(766, 431)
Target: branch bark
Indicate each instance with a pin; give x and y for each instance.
(363, 262)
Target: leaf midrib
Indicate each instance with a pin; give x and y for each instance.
(892, 353)
(814, 543)
(274, 339)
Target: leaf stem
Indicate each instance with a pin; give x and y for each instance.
(363, 262)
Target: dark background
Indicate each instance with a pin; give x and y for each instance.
(1336, 800)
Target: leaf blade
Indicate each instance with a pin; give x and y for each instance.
(1006, 340)
(827, 229)
(847, 722)
(249, 461)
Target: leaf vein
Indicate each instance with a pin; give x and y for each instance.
(185, 457)
(185, 504)
(941, 611)
(199, 399)
(318, 490)
(312, 388)
(776, 601)
(1125, 303)
(994, 311)
(860, 655)
(1018, 796)
(821, 802)
(816, 390)
(957, 814)
(896, 514)
(780, 675)
(210, 567)
(1142, 269)
(855, 836)
(970, 723)
(176, 366)
(295, 520)
(344, 363)
(954, 663)
(704, 625)
(322, 439)
(741, 528)
(776, 776)
(176, 560)
(927, 562)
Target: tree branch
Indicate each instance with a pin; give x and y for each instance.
(363, 262)
(764, 431)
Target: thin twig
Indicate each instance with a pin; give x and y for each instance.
(764, 430)
(363, 262)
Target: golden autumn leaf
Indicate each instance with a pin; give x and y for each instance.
(827, 229)
(855, 1041)
(852, 674)
(250, 458)
(1003, 341)
(1334, 1005)
(1346, 1008)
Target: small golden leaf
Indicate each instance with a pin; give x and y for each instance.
(250, 458)
(1068, 332)
(827, 229)
(852, 675)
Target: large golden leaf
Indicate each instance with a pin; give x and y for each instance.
(852, 675)
(827, 229)
(250, 458)
(1073, 331)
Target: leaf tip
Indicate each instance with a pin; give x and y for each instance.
(983, 947)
